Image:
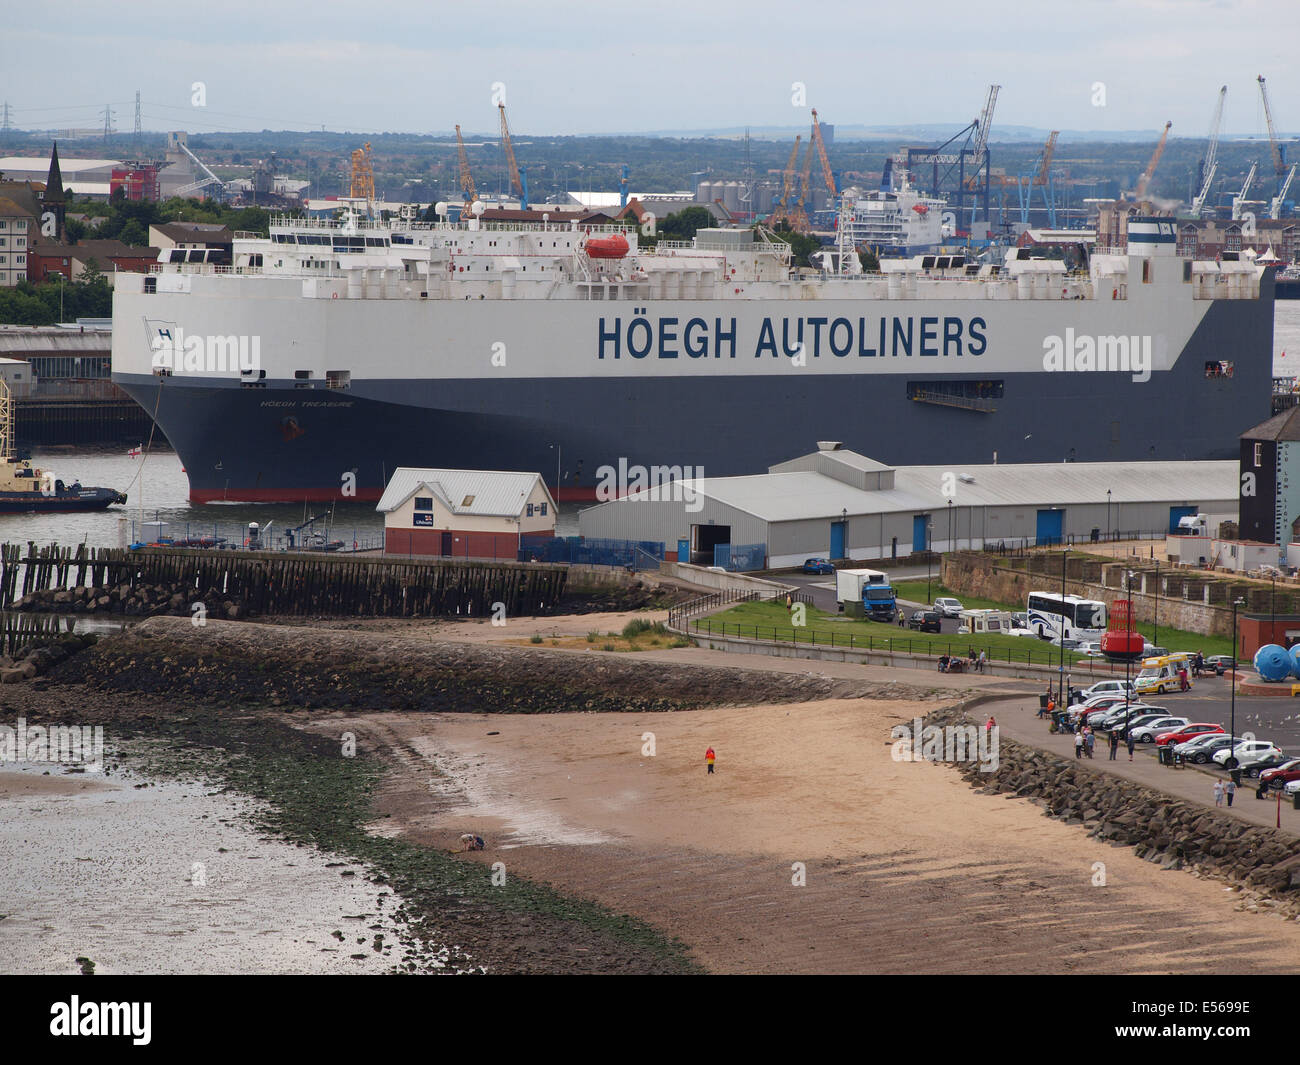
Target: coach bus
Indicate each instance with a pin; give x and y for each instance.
(1052, 615)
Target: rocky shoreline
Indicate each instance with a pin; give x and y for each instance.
(1173, 833)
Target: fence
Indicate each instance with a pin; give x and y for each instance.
(899, 645)
(266, 583)
(591, 552)
(1022, 545)
(234, 536)
(738, 558)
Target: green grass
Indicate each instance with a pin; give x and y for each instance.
(1174, 639)
(771, 622)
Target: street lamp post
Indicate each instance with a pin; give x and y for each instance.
(929, 556)
(950, 547)
(1061, 702)
(1232, 743)
(1272, 608)
(1107, 515)
(1128, 659)
(1156, 609)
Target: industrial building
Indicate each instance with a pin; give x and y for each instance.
(838, 504)
(463, 513)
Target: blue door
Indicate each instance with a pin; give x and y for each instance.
(683, 550)
(919, 542)
(837, 539)
(1180, 512)
(1050, 523)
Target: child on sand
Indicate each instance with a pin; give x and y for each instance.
(709, 758)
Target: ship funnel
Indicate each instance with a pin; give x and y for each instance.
(1152, 236)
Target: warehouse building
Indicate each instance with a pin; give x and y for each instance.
(838, 504)
(463, 513)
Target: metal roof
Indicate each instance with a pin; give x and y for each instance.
(496, 493)
(777, 497)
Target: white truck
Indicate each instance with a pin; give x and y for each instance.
(865, 593)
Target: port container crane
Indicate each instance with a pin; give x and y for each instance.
(1210, 163)
(518, 175)
(1145, 180)
(466, 179)
(1275, 208)
(363, 175)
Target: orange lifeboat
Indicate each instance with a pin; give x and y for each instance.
(921, 208)
(614, 247)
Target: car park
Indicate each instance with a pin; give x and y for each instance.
(925, 621)
(1281, 775)
(1185, 733)
(948, 608)
(1201, 750)
(1146, 733)
(1135, 712)
(817, 565)
(1246, 753)
(1268, 762)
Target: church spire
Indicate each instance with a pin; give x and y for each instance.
(54, 181)
(53, 205)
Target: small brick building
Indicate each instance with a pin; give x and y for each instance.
(463, 513)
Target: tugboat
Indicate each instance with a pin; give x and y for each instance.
(26, 490)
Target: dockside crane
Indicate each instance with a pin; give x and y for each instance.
(518, 175)
(363, 174)
(1145, 180)
(1239, 200)
(1279, 156)
(1210, 163)
(799, 217)
(981, 143)
(466, 179)
(821, 155)
(1275, 208)
(781, 212)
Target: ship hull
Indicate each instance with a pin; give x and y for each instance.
(282, 443)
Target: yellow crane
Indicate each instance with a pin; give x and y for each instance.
(1148, 173)
(781, 212)
(518, 179)
(466, 180)
(821, 154)
(363, 174)
(799, 217)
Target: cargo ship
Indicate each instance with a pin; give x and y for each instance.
(333, 351)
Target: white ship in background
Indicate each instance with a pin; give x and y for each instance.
(523, 345)
(895, 219)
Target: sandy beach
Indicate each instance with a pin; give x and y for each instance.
(907, 868)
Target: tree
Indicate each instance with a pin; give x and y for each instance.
(134, 234)
(801, 247)
(74, 229)
(684, 224)
(869, 261)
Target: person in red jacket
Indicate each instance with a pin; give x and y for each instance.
(709, 758)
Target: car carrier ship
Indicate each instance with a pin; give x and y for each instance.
(329, 353)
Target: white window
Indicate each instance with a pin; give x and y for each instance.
(1259, 454)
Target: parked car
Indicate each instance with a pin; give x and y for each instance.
(925, 621)
(817, 565)
(1185, 733)
(1103, 687)
(949, 608)
(1137, 716)
(1148, 732)
(1290, 788)
(1201, 749)
(1268, 762)
(1282, 774)
(1220, 663)
(1068, 642)
(1246, 753)
(1135, 712)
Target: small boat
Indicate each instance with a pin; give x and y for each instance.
(24, 489)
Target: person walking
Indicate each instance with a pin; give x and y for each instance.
(710, 758)
(1218, 793)
(984, 661)
(1078, 745)
(1114, 744)
(1230, 789)
(990, 725)
(1089, 740)
(1131, 744)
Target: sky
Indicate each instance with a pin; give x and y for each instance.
(581, 67)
